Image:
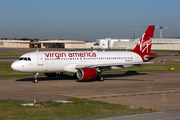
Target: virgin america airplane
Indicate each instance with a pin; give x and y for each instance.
(85, 64)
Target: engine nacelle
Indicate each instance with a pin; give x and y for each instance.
(51, 74)
(86, 73)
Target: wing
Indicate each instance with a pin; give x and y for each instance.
(112, 64)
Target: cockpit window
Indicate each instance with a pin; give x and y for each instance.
(21, 58)
(25, 58)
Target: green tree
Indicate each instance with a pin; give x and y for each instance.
(25, 39)
(4, 38)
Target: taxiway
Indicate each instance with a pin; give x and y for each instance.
(160, 89)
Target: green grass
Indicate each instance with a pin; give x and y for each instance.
(164, 52)
(151, 67)
(6, 70)
(10, 54)
(11, 109)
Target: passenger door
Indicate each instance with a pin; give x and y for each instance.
(40, 59)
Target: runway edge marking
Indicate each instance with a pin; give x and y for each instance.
(40, 94)
(133, 95)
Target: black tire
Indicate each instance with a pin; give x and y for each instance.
(97, 78)
(100, 78)
(75, 76)
(35, 81)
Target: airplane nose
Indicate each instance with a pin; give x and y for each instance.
(14, 66)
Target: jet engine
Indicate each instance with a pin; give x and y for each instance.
(86, 73)
(51, 74)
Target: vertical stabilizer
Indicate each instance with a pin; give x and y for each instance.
(144, 45)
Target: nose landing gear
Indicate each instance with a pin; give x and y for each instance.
(35, 78)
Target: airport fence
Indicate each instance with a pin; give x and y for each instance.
(160, 115)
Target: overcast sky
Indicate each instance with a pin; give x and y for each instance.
(87, 19)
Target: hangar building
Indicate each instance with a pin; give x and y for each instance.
(42, 44)
(157, 44)
(14, 44)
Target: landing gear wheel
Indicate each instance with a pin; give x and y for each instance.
(35, 81)
(99, 78)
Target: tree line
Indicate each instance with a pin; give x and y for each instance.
(19, 39)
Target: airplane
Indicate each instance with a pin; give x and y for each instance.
(85, 64)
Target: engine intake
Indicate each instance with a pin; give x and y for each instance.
(86, 73)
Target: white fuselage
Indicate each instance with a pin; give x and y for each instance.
(63, 61)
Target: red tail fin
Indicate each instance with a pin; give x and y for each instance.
(144, 45)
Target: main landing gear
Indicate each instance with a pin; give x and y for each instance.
(35, 78)
(75, 76)
(99, 77)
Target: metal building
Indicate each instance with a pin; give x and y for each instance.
(157, 44)
(42, 44)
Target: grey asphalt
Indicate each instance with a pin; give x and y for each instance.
(160, 89)
(148, 116)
